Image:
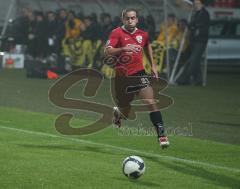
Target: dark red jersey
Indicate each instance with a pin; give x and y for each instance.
(128, 63)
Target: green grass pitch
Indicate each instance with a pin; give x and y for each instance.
(204, 151)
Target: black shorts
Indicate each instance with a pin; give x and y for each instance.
(127, 87)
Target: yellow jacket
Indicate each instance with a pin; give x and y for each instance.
(171, 33)
(75, 31)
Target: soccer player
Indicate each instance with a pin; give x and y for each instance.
(127, 43)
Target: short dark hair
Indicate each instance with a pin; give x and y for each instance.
(125, 11)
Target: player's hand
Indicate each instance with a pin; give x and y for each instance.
(154, 71)
(131, 49)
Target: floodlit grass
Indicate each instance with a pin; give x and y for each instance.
(34, 155)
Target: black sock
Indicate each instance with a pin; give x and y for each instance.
(156, 118)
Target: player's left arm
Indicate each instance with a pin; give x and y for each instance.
(149, 54)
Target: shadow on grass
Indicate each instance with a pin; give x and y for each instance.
(196, 171)
(138, 182)
(216, 178)
(225, 124)
(67, 148)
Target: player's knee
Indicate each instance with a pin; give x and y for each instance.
(149, 101)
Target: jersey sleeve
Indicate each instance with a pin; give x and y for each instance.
(112, 40)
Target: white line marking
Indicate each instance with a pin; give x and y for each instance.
(171, 158)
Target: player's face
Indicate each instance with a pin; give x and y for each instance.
(130, 21)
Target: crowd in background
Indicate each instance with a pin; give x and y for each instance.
(43, 30)
(78, 39)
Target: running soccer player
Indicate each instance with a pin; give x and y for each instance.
(127, 43)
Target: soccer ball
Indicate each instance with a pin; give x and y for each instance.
(133, 167)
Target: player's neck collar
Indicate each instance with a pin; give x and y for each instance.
(123, 27)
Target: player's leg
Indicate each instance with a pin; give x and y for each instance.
(147, 95)
(120, 113)
(123, 100)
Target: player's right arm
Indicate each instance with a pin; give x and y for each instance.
(112, 47)
(116, 51)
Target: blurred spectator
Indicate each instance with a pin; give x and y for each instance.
(51, 28)
(88, 33)
(199, 27)
(182, 34)
(20, 26)
(73, 42)
(31, 36)
(90, 36)
(168, 31)
(61, 18)
(150, 27)
(92, 29)
(181, 29)
(74, 26)
(41, 35)
(169, 28)
(141, 23)
(96, 26)
(116, 21)
(106, 26)
(60, 29)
